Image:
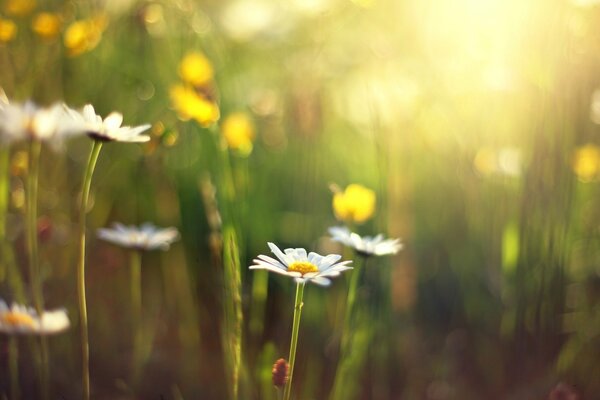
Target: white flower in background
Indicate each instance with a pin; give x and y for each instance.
(108, 129)
(18, 319)
(3, 98)
(302, 267)
(28, 121)
(595, 107)
(366, 245)
(145, 237)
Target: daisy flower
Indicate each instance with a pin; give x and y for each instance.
(29, 121)
(366, 245)
(302, 267)
(145, 237)
(18, 319)
(108, 129)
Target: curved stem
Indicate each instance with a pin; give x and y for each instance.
(85, 347)
(294, 341)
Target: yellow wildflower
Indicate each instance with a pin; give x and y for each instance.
(46, 25)
(8, 30)
(19, 8)
(586, 162)
(190, 105)
(84, 35)
(238, 131)
(196, 69)
(355, 204)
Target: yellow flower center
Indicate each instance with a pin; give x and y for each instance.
(17, 319)
(304, 267)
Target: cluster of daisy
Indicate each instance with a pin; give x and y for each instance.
(356, 204)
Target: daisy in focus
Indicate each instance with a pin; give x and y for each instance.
(20, 320)
(108, 129)
(303, 267)
(367, 245)
(145, 237)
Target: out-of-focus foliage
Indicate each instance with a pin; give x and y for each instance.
(474, 122)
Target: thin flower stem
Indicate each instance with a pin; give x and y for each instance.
(13, 366)
(85, 347)
(4, 159)
(351, 354)
(355, 278)
(136, 311)
(32, 238)
(294, 341)
(35, 274)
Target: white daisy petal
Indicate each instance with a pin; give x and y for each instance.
(282, 257)
(271, 260)
(320, 280)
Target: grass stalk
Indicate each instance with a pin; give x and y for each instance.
(233, 318)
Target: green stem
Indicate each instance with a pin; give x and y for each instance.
(294, 341)
(7, 262)
(85, 347)
(136, 311)
(354, 341)
(35, 273)
(13, 365)
(32, 242)
(4, 162)
(355, 278)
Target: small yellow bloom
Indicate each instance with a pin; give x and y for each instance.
(46, 25)
(19, 8)
(586, 162)
(8, 30)
(238, 131)
(84, 35)
(355, 204)
(190, 105)
(196, 69)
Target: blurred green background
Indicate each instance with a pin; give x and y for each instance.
(476, 122)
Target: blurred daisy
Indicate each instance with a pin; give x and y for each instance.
(108, 129)
(355, 204)
(29, 121)
(145, 237)
(367, 245)
(18, 319)
(302, 267)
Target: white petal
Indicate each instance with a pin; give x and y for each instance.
(284, 259)
(113, 120)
